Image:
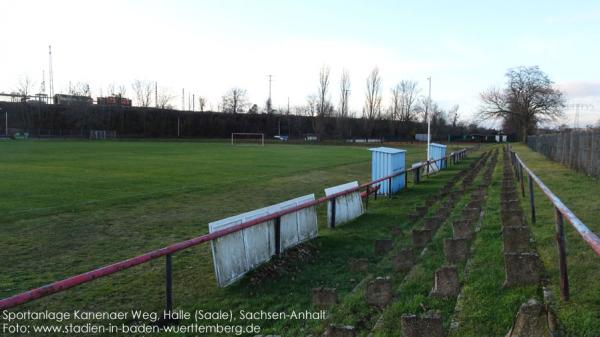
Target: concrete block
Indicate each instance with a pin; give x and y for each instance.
(421, 237)
(456, 250)
(383, 246)
(358, 264)
(513, 218)
(446, 282)
(522, 269)
(532, 321)
(427, 325)
(379, 292)
(324, 297)
(404, 260)
(432, 223)
(462, 230)
(515, 239)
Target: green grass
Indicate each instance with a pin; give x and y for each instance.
(68, 207)
(486, 308)
(581, 315)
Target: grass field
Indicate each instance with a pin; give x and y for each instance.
(69, 207)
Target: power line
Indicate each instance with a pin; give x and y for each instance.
(578, 107)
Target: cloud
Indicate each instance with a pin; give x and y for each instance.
(580, 89)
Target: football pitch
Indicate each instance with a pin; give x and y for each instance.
(67, 207)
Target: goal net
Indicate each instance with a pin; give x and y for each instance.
(247, 138)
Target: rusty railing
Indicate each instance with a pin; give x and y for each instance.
(561, 211)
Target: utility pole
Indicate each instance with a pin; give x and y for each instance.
(270, 80)
(269, 107)
(50, 72)
(428, 112)
(182, 99)
(193, 102)
(156, 94)
(5, 123)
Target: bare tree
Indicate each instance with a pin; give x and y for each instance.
(528, 99)
(324, 108)
(201, 103)
(143, 92)
(234, 101)
(395, 103)
(408, 100)
(344, 92)
(453, 114)
(80, 89)
(164, 99)
(372, 109)
(439, 116)
(24, 88)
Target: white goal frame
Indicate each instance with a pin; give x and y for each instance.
(257, 134)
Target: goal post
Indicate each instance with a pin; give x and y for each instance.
(247, 138)
(102, 134)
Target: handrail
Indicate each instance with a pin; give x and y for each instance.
(73, 281)
(560, 211)
(588, 236)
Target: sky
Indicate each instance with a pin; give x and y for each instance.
(208, 47)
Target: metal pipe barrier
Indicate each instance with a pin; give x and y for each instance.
(561, 211)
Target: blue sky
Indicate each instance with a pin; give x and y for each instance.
(207, 47)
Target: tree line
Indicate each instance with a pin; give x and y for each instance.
(48, 120)
(528, 100)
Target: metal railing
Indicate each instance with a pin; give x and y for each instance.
(561, 211)
(168, 251)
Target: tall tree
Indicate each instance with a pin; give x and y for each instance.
(24, 88)
(344, 92)
(395, 103)
(372, 109)
(453, 114)
(164, 99)
(80, 89)
(143, 92)
(528, 99)
(409, 92)
(234, 100)
(324, 108)
(201, 103)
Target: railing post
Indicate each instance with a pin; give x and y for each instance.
(427, 172)
(277, 235)
(389, 187)
(367, 198)
(522, 180)
(562, 256)
(531, 200)
(417, 172)
(333, 213)
(169, 283)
